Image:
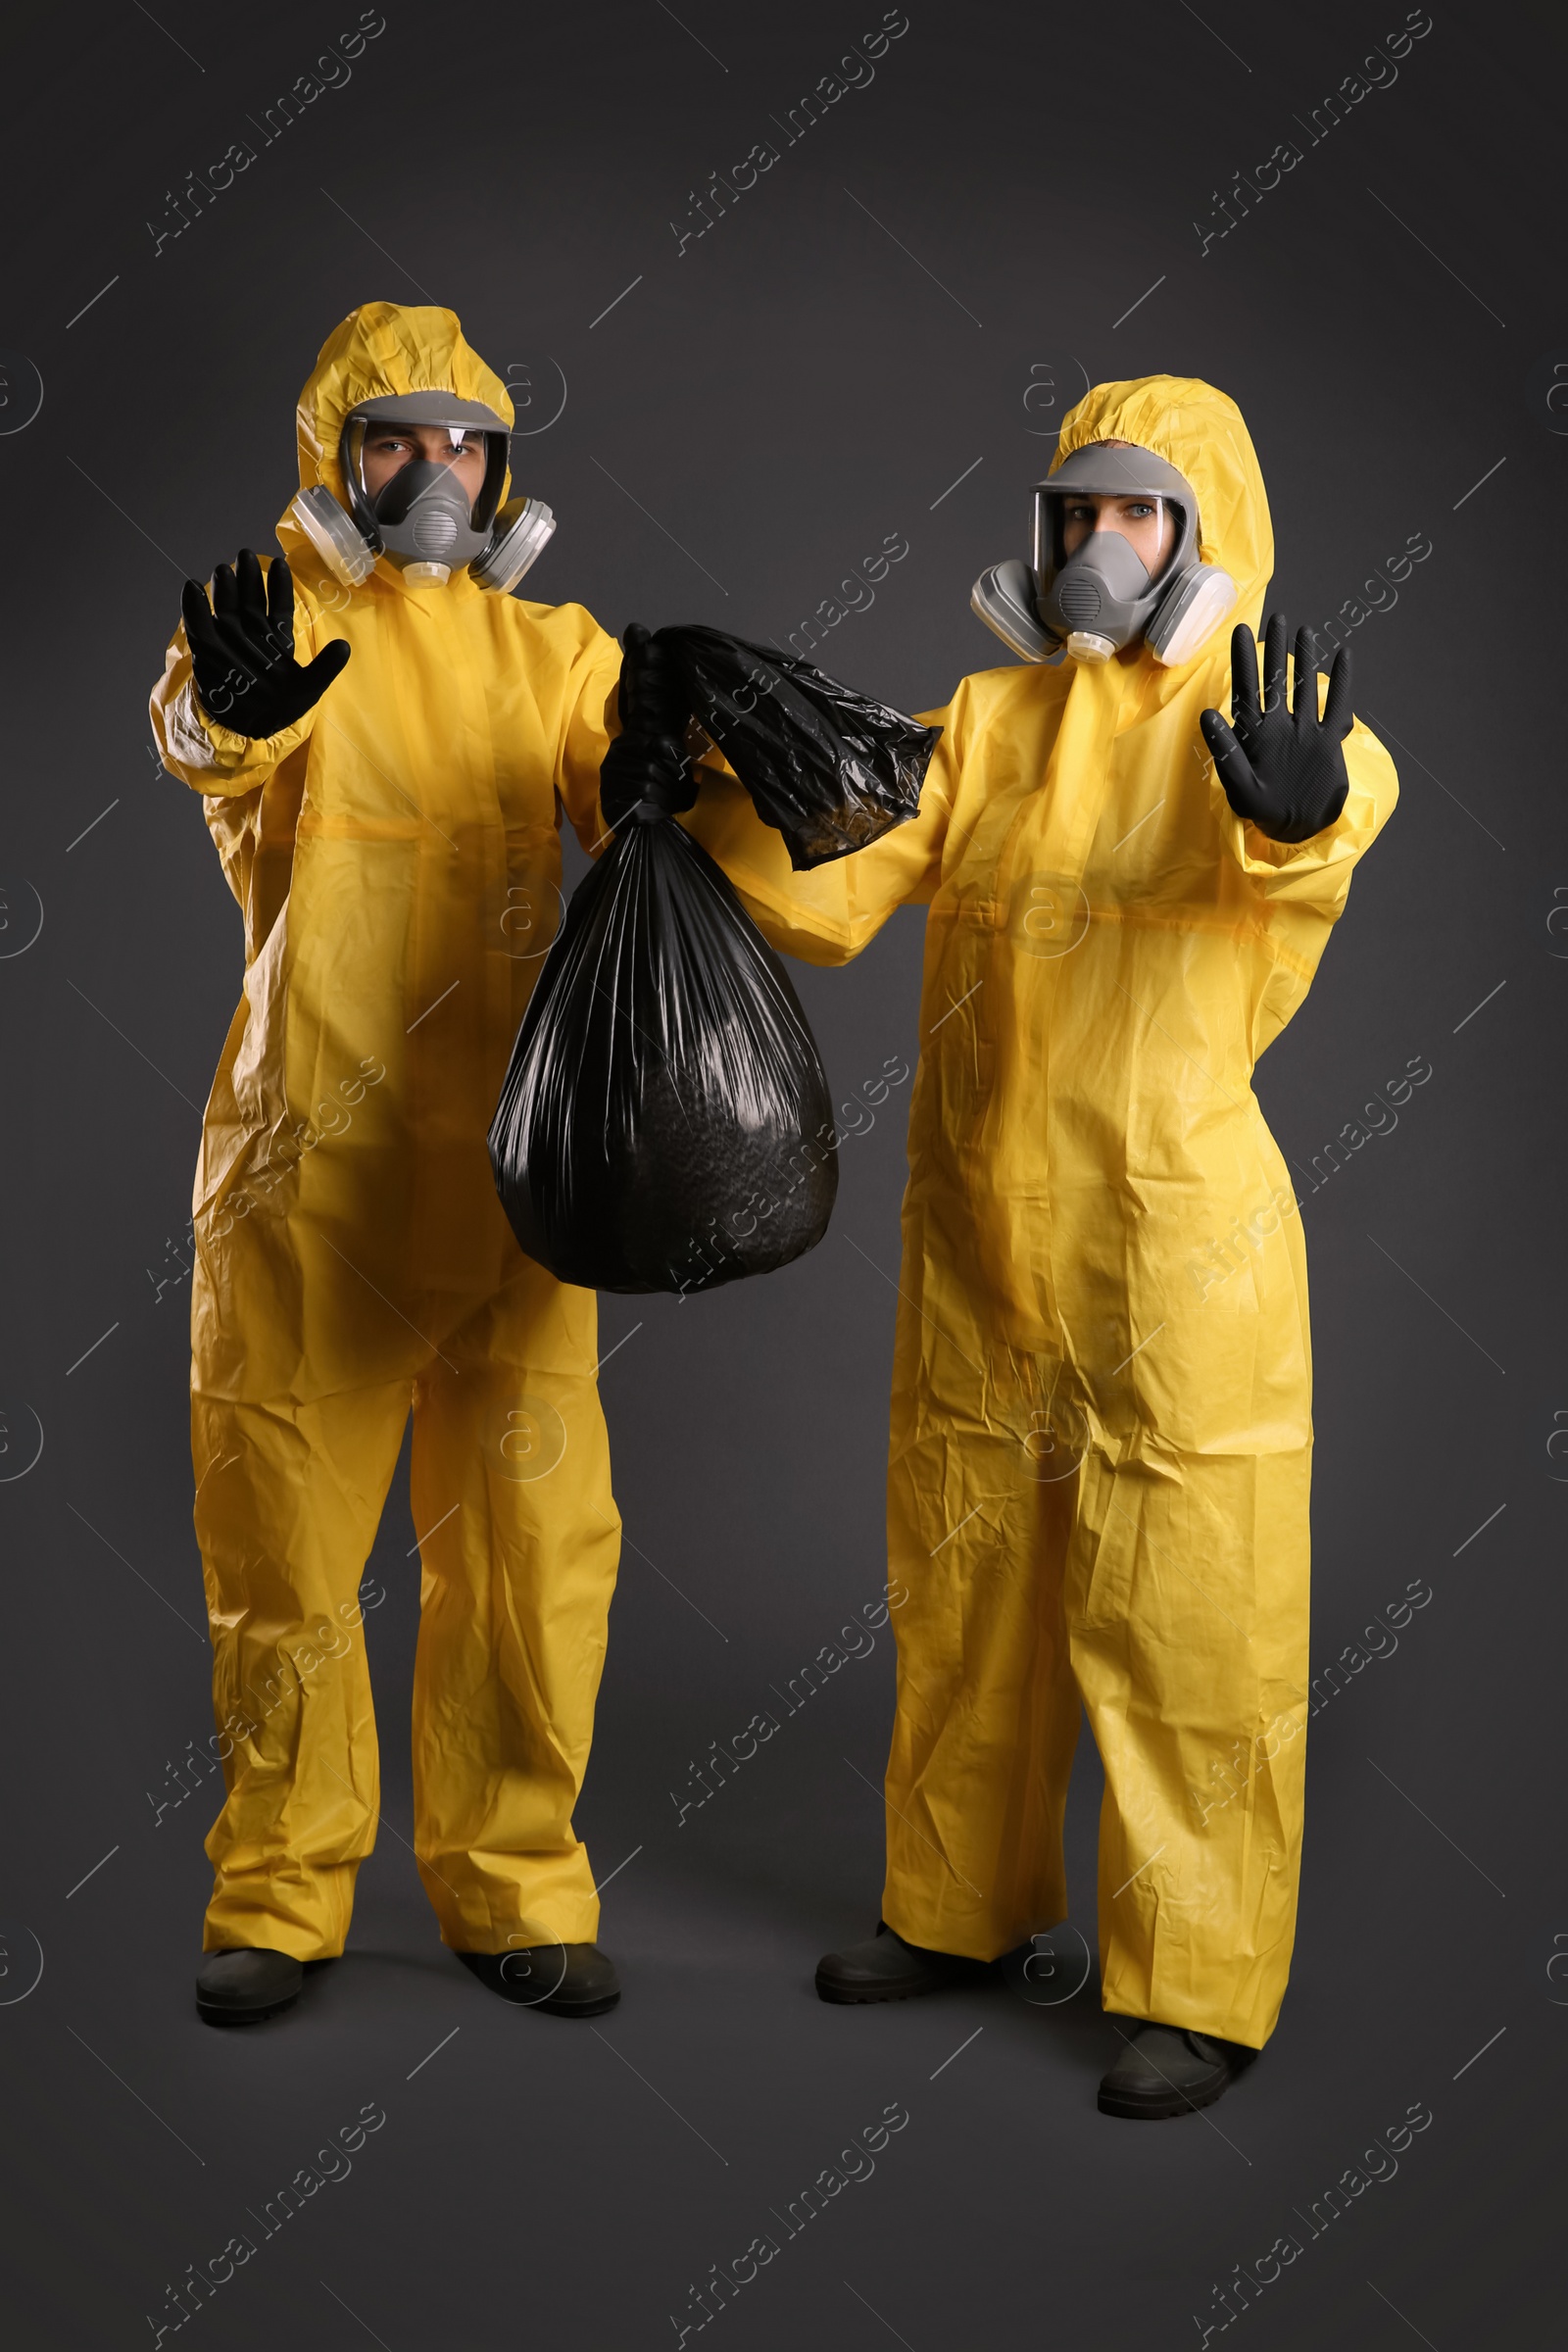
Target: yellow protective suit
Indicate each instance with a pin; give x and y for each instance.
(1102, 1402)
(397, 857)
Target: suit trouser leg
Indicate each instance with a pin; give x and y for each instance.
(288, 1497)
(987, 1711)
(521, 1543)
(1171, 1593)
(1186, 1606)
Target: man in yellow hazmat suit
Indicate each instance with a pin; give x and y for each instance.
(386, 743)
(1102, 1402)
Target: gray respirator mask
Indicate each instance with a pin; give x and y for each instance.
(423, 519)
(1103, 597)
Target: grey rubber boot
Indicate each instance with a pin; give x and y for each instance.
(884, 1967)
(1169, 2069)
(565, 1980)
(240, 1988)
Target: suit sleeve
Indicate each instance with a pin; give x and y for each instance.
(589, 721)
(1314, 875)
(1303, 885)
(827, 916)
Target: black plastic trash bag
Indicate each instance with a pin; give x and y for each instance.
(830, 770)
(665, 1122)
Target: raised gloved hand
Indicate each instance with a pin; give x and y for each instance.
(242, 648)
(1283, 769)
(646, 773)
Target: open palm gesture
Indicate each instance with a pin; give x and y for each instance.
(1282, 767)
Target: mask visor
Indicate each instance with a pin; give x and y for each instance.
(1054, 511)
(385, 506)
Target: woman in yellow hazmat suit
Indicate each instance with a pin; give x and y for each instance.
(1102, 1399)
(395, 850)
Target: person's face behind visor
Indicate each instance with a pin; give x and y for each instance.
(1147, 524)
(388, 447)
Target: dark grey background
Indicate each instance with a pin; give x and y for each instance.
(741, 428)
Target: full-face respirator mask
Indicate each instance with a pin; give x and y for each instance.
(1103, 597)
(422, 518)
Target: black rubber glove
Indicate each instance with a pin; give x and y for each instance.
(646, 773)
(1283, 769)
(242, 648)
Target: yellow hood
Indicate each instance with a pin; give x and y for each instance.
(1201, 432)
(379, 349)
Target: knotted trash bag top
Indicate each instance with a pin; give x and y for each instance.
(665, 1123)
(831, 770)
